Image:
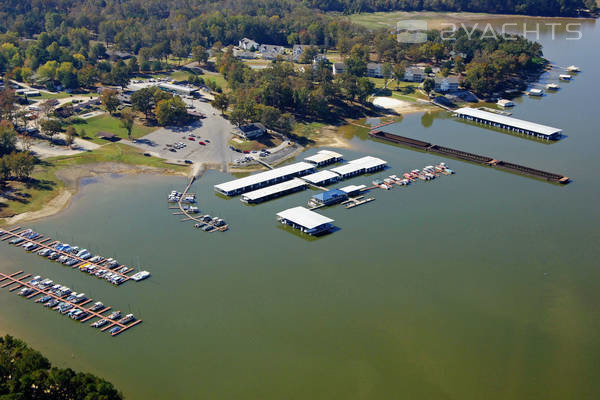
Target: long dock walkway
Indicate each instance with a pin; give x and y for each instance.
(463, 155)
(190, 217)
(47, 243)
(18, 280)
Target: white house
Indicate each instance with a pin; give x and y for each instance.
(338, 68)
(375, 70)
(414, 74)
(248, 44)
(250, 131)
(447, 84)
(270, 51)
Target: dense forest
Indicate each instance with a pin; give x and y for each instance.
(26, 374)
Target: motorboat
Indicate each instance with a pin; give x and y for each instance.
(140, 276)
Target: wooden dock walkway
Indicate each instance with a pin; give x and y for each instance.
(43, 244)
(19, 282)
(190, 217)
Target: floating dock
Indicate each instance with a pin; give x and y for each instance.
(47, 243)
(508, 123)
(305, 220)
(266, 178)
(271, 192)
(463, 155)
(17, 281)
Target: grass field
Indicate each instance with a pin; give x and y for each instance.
(108, 123)
(218, 78)
(45, 185)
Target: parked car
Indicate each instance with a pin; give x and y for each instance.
(188, 162)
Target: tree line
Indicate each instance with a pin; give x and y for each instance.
(26, 374)
(13, 163)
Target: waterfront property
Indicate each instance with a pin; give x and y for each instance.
(509, 123)
(327, 198)
(353, 190)
(360, 166)
(305, 220)
(322, 178)
(67, 302)
(324, 157)
(271, 192)
(250, 131)
(263, 179)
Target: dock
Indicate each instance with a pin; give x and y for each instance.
(357, 201)
(16, 281)
(194, 218)
(465, 156)
(47, 243)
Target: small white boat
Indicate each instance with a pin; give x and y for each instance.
(536, 92)
(552, 86)
(565, 77)
(140, 276)
(573, 68)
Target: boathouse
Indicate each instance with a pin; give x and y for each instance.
(263, 179)
(353, 190)
(271, 192)
(508, 123)
(305, 220)
(322, 178)
(327, 198)
(360, 166)
(324, 157)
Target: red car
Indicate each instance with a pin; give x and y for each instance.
(202, 143)
(192, 139)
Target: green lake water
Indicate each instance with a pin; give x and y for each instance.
(484, 284)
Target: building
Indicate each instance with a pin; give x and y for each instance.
(297, 51)
(263, 179)
(248, 44)
(360, 166)
(508, 123)
(270, 51)
(324, 157)
(250, 131)
(338, 68)
(536, 92)
(375, 70)
(305, 220)
(414, 74)
(327, 198)
(272, 192)
(177, 89)
(322, 178)
(446, 84)
(505, 103)
(353, 190)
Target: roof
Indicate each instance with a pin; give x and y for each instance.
(264, 176)
(514, 122)
(352, 188)
(373, 65)
(270, 190)
(106, 135)
(359, 164)
(173, 86)
(418, 70)
(450, 79)
(304, 217)
(338, 65)
(323, 156)
(320, 176)
(252, 127)
(330, 194)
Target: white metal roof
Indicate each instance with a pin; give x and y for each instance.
(323, 156)
(514, 122)
(264, 176)
(172, 86)
(358, 165)
(352, 188)
(270, 190)
(304, 217)
(320, 176)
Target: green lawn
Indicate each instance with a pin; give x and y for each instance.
(46, 95)
(218, 78)
(307, 130)
(108, 123)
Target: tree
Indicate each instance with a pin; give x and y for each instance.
(132, 65)
(220, 102)
(428, 85)
(387, 70)
(365, 88)
(67, 75)
(200, 54)
(21, 164)
(143, 100)
(70, 135)
(171, 112)
(50, 127)
(127, 122)
(8, 138)
(399, 71)
(109, 100)
(7, 103)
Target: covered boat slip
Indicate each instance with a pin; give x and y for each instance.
(262, 179)
(271, 192)
(324, 157)
(509, 123)
(325, 177)
(305, 220)
(360, 166)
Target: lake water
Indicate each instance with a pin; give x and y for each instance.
(484, 284)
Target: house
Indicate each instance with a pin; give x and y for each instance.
(327, 198)
(118, 54)
(319, 60)
(250, 131)
(248, 44)
(447, 84)
(270, 51)
(338, 68)
(243, 54)
(297, 51)
(414, 74)
(375, 70)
